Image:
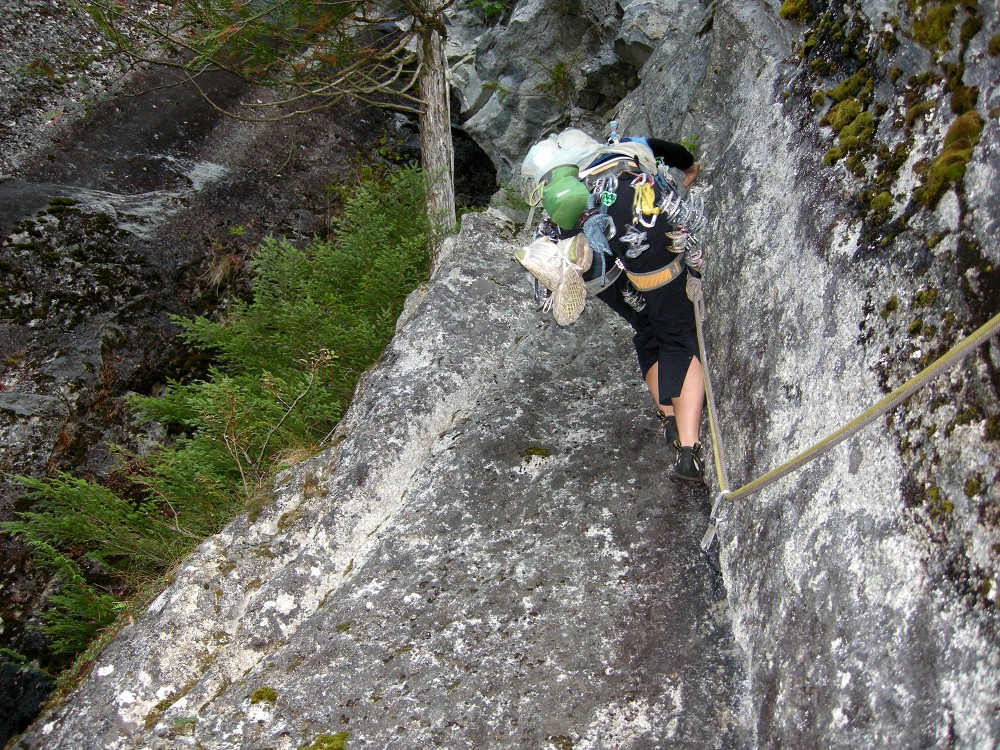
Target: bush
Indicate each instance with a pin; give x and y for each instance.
(286, 365)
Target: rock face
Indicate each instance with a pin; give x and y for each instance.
(490, 556)
(122, 203)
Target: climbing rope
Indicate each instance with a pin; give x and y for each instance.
(952, 357)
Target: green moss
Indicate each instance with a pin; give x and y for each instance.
(925, 297)
(919, 110)
(915, 327)
(949, 167)
(858, 133)
(968, 416)
(822, 68)
(971, 27)
(264, 695)
(932, 30)
(973, 486)
(882, 201)
(880, 109)
(851, 86)
(965, 130)
(818, 98)
(795, 10)
(963, 99)
(993, 48)
(343, 627)
(832, 156)
(895, 74)
(890, 43)
(939, 508)
(842, 114)
(992, 430)
(336, 741)
(561, 742)
(535, 450)
(856, 164)
(891, 305)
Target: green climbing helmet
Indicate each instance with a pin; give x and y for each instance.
(564, 197)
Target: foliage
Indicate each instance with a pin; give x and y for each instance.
(561, 84)
(321, 50)
(488, 9)
(286, 365)
(692, 143)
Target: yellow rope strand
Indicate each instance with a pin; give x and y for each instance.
(950, 358)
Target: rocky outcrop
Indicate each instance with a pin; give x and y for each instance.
(491, 554)
(123, 202)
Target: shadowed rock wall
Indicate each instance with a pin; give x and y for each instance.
(863, 587)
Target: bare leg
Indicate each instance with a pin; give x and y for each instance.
(653, 385)
(688, 406)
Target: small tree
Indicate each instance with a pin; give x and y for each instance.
(317, 53)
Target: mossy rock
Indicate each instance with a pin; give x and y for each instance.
(925, 297)
(919, 110)
(851, 87)
(859, 132)
(336, 741)
(967, 128)
(842, 114)
(832, 156)
(993, 48)
(963, 99)
(891, 305)
(795, 10)
(949, 167)
(264, 695)
(933, 29)
(881, 202)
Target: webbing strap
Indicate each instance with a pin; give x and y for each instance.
(650, 280)
(950, 358)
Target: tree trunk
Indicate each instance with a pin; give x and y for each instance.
(437, 155)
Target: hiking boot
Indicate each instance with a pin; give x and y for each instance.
(668, 428)
(689, 466)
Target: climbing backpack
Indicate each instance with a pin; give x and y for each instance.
(574, 178)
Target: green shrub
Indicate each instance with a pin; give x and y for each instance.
(287, 362)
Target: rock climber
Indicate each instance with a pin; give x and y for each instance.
(656, 257)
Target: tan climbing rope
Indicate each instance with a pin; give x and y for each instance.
(952, 357)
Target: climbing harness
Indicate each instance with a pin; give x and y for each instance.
(646, 282)
(948, 360)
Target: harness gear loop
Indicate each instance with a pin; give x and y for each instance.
(650, 280)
